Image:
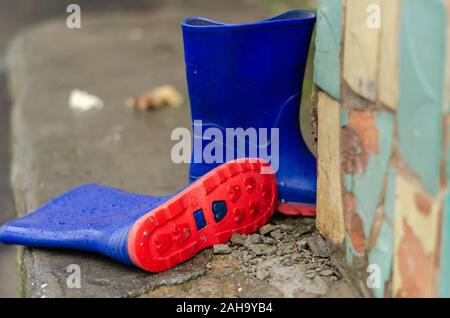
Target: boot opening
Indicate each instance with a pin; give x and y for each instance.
(294, 15)
(195, 21)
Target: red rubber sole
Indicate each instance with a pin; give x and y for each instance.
(234, 197)
(294, 209)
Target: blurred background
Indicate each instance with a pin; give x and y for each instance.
(21, 14)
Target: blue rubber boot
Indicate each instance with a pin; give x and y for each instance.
(153, 233)
(90, 217)
(250, 76)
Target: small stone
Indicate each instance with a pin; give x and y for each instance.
(262, 249)
(326, 272)
(295, 257)
(304, 229)
(318, 245)
(277, 235)
(286, 248)
(286, 227)
(302, 245)
(311, 274)
(252, 239)
(262, 274)
(102, 281)
(268, 240)
(266, 229)
(307, 220)
(222, 249)
(286, 261)
(253, 261)
(237, 239)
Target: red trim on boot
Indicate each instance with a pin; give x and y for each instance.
(296, 209)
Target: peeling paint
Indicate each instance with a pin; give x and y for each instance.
(367, 186)
(383, 250)
(381, 254)
(395, 198)
(417, 233)
(390, 196)
(444, 285)
(415, 266)
(353, 223)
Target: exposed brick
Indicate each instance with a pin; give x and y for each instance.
(415, 267)
(423, 203)
(354, 223)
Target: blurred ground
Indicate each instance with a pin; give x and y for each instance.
(14, 17)
(18, 15)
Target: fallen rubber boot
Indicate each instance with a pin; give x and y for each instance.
(250, 76)
(153, 233)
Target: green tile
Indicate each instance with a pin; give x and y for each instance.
(445, 252)
(421, 73)
(383, 252)
(328, 47)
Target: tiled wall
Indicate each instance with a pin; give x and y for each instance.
(383, 94)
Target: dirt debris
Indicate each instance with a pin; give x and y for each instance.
(252, 239)
(258, 265)
(221, 249)
(156, 98)
(317, 245)
(237, 239)
(83, 101)
(290, 256)
(266, 229)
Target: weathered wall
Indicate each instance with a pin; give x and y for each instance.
(383, 95)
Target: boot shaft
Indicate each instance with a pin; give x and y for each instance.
(243, 73)
(250, 76)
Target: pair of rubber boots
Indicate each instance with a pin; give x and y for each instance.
(244, 77)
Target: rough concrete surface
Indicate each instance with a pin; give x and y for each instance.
(56, 148)
(8, 277)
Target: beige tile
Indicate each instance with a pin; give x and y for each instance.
(388, 67)
(361, 48)
(330, 218)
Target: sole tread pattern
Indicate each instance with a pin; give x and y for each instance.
(169, 235)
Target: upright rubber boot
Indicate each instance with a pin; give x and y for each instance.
(153, 233)
(250, 76)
